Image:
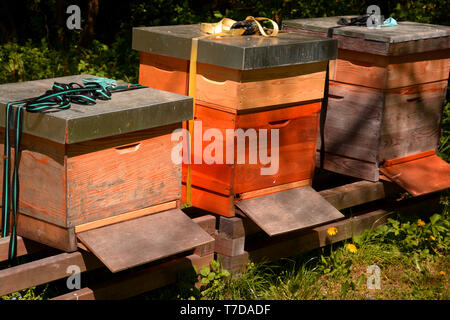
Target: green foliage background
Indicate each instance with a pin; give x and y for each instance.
(35, 42)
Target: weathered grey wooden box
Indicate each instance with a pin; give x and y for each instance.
(386, 92)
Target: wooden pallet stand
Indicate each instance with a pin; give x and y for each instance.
(119, 286)
(239, 240)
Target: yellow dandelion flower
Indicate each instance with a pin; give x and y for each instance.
(432, 238)
(442, 273)
(351, 247)
(420, 223)
(426, 239)
(332, 231)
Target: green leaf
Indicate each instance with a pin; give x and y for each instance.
(215, 265)
(204, 271)
(225, 273)
(434, 218)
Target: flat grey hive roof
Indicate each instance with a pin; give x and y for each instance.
(127, 111)
(238, 52)
(405, 31)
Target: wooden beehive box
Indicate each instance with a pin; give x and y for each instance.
(94, 165)
(244, 82)
(386, 93)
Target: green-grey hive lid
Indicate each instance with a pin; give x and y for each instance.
(127, 111)
(403, 32)
(239, 52)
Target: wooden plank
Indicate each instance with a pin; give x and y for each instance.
(125, 216)
(46, 233)
(409, 142)
(420, 176)
(353, 122)
(24, 247)
(411, 120)
(42, 173)
(53, 268)
(283, 187)
(342, 197)
(125, 286)
(289, 210)
(354, 194)
(382, 48)
(250, 95)
(142, 240)
(164, 73)
(393, 162)
(350, 167)
(111, 176)
(386, 73)
(44, 270)
(210, 201)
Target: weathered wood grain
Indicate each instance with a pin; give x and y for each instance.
(411, 121)
(42, 179)
(135, 242)
(125, 216)
(349, 166)
(406, 38)
(394, 72)
(289, 210)
(125, 286)
(353, 121)
(55, 267)
(46, 233)
(44, 270)
(357, 193)
(111, 176)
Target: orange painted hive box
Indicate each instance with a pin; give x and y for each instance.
(386, 93)
(93, 162)
(249, 87)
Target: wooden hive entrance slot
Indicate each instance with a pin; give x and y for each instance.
(138, 241)
(289, 210)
